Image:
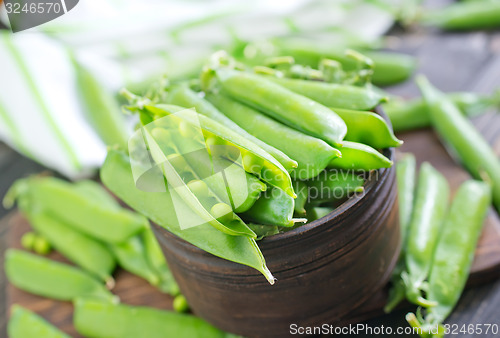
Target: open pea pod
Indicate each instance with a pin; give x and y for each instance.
(184, 96)
(117, 175)
(254, 159)
(368, 128)
(274, 207)
(297, 111)
(220, 216)
(332, 94)
(358, 156)
(312, 154)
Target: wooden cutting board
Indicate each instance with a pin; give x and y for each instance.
(135, 291)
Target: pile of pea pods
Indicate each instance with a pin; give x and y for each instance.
(84, 223)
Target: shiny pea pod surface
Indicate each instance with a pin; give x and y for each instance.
(334, 185)
(368, 128)
(254, 159)
(462, 138)
(83, 213)
(116, 174)
(98, 319)
(290, 108)
(83, 250)
(26, 324)
(274, 207)
(358, 156)
(312, 154)
(389, 68)
(429, 211)
(455, 249)
(406, 169)
(332, 94)
(302, 191)
(184, 96)
(47, 278)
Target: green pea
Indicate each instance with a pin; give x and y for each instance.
(24, 324)
(161, 135)
(41, 246)
(222, 212)
(199, 188)
(252, 164)
(28, 240)
(47, 278)
(98, 319)
(180, 304)
(116, 174)
(333, 94)
(357, 156)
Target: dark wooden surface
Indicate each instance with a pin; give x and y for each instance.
(453, 62)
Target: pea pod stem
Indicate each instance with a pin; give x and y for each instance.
(462, 138)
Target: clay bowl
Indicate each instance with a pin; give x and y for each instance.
(324, 269)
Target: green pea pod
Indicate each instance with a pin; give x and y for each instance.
(314, 213)
(368, 128)
(24, 324)
(358, 156)
(264, 230)
(226, 220)
(99, 319)
(456, 246)
(428, 213)
(82, 212)
(157, 262)
(85, 251)
(255, 160)
(312, 154)
(102, 110)
(274, 207)
(282, 104)
(460, 135)
(242, 191)
(332, 94)
(47, 278)
(184, 96)
(116, 174)
(334, 185)
(414, 114)
(131, 255)
(465, 16)
(96, 191)
(406, 169)
(389, 68)
(302, 191)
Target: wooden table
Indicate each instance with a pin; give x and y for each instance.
(453, 62)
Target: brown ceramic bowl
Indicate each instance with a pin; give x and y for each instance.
(324, 269)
